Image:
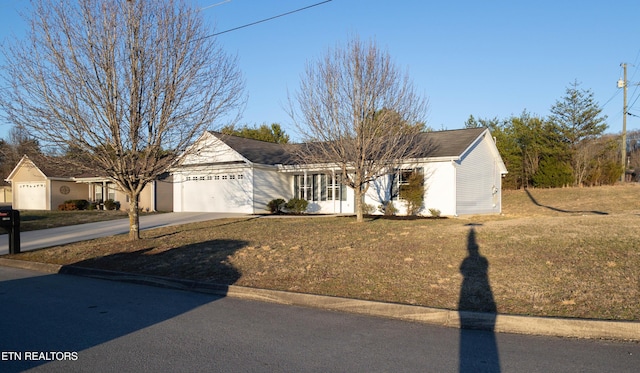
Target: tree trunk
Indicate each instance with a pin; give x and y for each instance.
(134, 217)
(359, 202)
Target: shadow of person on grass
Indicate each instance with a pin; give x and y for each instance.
(477, 310)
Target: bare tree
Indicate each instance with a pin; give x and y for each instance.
(357, 112)
(130, 84)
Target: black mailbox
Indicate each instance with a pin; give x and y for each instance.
(10, 221)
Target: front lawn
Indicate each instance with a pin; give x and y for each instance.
(558, 252)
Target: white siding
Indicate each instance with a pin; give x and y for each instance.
(269, 184)
(439, 185)
(209, 149)
(478, 180)
(440, 190)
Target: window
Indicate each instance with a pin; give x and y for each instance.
(232, 177)
(111, 192)
(224, 177)
(303, 187)
(209, 177)
(217, 177)
(240, 177)
(319, 187)
(335, 190)
(400, 180)
(201, 178)
(188, 178)
(323, 186)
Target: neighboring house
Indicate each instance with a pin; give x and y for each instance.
(5, 194)
(221, 173)
(46, 186)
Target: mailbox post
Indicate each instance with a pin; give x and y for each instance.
(10, 221)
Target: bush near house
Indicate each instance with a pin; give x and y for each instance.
(388, 208)
(74, 204)
(296, 205)
(413, 193)
(275, 206)
(434, 212)
(111, 205)
(368, 209)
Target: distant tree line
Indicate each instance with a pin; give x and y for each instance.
(269, 133)
(567, 148)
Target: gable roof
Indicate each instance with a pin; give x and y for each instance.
(257, 151)
(439, 144)
(52, 168)
(450, 143)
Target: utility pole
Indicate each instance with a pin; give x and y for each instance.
(623, 84)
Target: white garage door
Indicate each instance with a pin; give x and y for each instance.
(31, 196)
(216, 194)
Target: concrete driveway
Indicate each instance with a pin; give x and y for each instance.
(59, 236)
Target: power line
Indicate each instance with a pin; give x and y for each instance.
(612, 97)
(248, 24)
(267, 19)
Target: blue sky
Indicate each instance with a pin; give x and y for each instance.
(485, 58)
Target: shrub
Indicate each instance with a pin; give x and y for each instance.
(413, 193)
(435, 213)
(297, 205)
(67, 207)
(388, 208)
(276, 206)
(74, 204)
(368, 209)
(111, 205)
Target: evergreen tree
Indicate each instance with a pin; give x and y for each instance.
(578, 117)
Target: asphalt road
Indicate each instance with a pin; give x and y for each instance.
(59, 236)
(106, 326)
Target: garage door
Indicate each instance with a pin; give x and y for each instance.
(221, 194)
(31, 196)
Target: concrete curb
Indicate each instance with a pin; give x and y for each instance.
(547, 326)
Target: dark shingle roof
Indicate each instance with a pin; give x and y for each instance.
(435, 144)
(260, 152)
(59, 167)
(448, 143)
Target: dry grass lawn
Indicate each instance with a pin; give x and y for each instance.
(566, 252)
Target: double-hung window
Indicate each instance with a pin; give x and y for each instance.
(336, 191)
(303, 187)
(319, 187)
(400, 181)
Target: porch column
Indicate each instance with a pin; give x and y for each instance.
(105, 192)
(304, 185)
(152, 186)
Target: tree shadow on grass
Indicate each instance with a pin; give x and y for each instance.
(477, 310)
(204, 261)
(535, 202)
